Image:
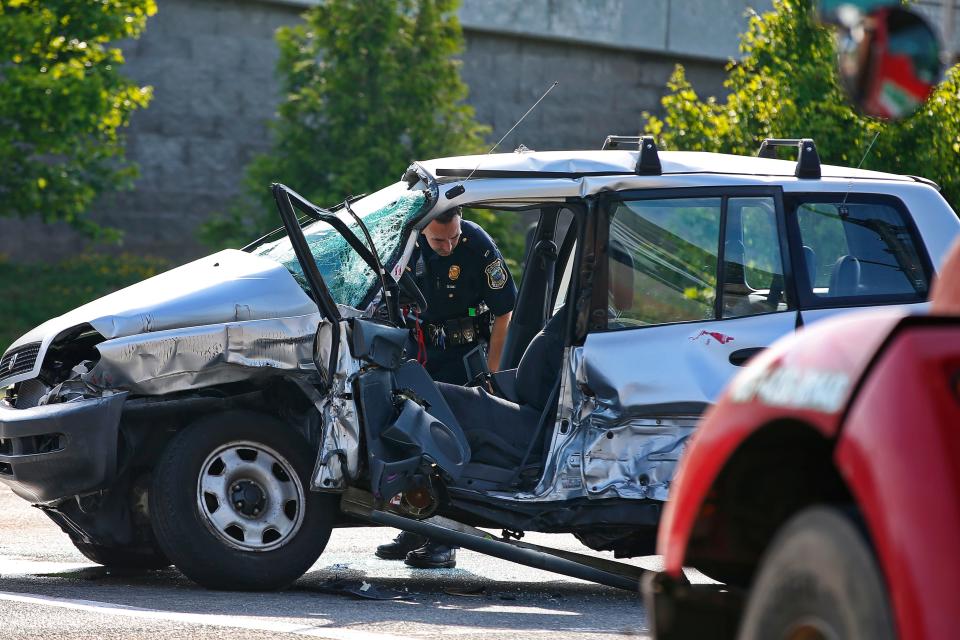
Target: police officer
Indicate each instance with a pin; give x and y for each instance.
(470, 297)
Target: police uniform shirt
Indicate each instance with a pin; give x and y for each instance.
(474, 272)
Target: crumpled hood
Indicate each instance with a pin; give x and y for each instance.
(228, 286)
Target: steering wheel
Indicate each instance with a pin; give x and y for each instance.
(408, 286)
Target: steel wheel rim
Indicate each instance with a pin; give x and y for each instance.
(250, 497)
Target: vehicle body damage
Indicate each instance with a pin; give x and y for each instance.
(242, 405)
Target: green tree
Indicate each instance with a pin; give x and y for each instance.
(367, 86)
(785, 86)
(63, 103)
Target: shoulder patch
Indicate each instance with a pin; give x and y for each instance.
(496, 274)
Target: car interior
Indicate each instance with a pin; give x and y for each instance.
(519, 401)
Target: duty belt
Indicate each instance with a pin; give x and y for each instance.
(453, 333)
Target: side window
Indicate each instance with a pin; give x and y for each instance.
(662, 264)
(752, 265)
(859, 250)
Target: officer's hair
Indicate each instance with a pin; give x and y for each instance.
(448, 215)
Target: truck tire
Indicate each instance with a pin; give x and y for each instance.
(123, 557)
(818, 579)
(231, 506)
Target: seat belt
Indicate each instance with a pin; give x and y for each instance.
(541, 423)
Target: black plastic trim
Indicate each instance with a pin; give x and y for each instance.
(87, 460)
(648, 162)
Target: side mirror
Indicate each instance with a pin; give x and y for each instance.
(889, 58)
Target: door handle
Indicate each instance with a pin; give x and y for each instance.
(740, 357)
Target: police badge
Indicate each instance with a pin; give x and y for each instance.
(454, 272)
(496, 274)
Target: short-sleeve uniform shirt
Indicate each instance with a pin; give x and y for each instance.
(474, 272)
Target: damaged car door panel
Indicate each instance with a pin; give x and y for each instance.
(226, 415)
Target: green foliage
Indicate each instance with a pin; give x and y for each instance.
(367, 86)
(62, 102)
(785, 86)
(506, 229)
(34, 293)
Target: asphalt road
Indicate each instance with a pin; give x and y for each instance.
(48, 590)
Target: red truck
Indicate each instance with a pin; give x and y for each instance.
(823, 488)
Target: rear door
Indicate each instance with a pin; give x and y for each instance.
(696, 281)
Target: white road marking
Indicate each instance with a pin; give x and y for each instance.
(255, 624)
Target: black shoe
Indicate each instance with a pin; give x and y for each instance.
(401, 546)
(432, 555)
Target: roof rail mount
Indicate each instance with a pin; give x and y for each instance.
(648, 163)
(808, 161)
(616, 143)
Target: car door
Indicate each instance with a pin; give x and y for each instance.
(679, 310)
(690, 284)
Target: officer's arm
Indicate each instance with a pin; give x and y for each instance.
(497, 337)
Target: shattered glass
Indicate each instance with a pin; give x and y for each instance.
(347, 276)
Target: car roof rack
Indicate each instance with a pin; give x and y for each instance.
(648, 162)
(808, 161)
(926, 181)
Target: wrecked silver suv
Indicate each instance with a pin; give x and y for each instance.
(226, 415)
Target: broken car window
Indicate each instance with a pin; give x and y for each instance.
(348, 277)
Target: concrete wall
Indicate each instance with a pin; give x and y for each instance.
(601, 91)
(690, 28)
(211, 64)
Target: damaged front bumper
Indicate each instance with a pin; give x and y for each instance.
(59, 450)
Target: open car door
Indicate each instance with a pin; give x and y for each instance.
(409, 431)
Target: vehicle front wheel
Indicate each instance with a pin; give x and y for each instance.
(818, 580)
(231, 506)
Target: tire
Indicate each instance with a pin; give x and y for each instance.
(818, 580)
(231, 506)
(123, 557)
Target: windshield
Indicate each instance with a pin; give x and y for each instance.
(348, 277)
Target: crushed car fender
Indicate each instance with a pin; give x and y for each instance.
(195, 357)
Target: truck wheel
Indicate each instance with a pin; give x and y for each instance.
(818, 580)
(123, 557)
(231, 505)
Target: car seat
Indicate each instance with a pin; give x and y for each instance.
(501, 431)
(736, 293)
(845, 277)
